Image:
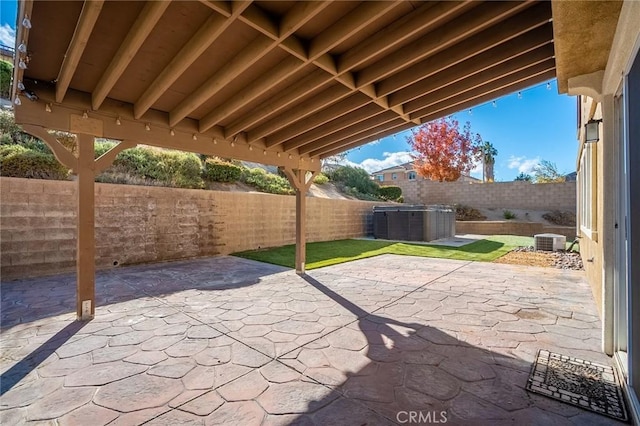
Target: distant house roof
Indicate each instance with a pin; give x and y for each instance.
(571, 177)
(408, 166)
(401, 167)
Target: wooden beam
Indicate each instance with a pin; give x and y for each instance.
(115, 121)
(106, 160)
(427, 15)
(347, 26)
(142, 27)
(330, 127)
(490, 95)
(86, 264)
(361, 138)
(301, 180)
(22, 36)
(304, 109)
(254, 89)
(324, 116)
(301, 13)
(516, 26)
(294, 93)
(488, 92)
(84, 27)
(472, 22)
(517, 47)
(245, 58)
(363, 126)
(62, 154)
(537, 61)
(222, 7)
(192, 50)
(261, 46)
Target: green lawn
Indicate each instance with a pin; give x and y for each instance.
(334, 252)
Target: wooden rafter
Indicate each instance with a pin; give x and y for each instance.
(329, 128)
(472, 22)
(327, 115)
(537, 61)
(378, 64)
(247, 57)
(470, 101)
(142, 27)
(294, 93)
(192, 50)
(358, 139)
(317, 54)
(520, 78)
(365, 125)
(518, 46)
(491, 37)
(426, 15)
(86, 22)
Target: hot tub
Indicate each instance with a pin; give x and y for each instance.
(413, 222)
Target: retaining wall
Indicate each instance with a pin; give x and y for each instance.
(139, 224)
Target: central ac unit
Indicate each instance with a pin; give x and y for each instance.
(549, 242)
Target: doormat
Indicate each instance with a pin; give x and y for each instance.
(585, 384)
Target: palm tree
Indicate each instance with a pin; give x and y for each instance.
(489, 153)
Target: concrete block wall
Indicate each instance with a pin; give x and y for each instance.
(525, 229)
(500, 195)
(139, 224)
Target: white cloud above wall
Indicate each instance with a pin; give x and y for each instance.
(389, 159)
(7, 35)
(523, 164)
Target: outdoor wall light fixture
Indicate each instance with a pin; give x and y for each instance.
(592, 130)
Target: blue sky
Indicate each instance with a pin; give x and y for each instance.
(7, 21)
(541, 125)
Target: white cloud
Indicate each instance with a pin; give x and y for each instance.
(476, 171)
(390, 159)
(7, 35)
(523, 164)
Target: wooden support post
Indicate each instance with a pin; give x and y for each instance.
(301, 180)
(86, 169)
(301, 227)
(86, 265)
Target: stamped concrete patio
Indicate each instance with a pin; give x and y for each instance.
(231, 341)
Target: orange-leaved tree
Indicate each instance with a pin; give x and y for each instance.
(442, 151)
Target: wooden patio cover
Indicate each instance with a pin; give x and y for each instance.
(277, 82)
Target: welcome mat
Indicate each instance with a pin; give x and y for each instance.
(578, 382)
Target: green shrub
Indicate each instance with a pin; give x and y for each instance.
(6, 71)
(354, 177)
(508, 214)
(168, 168)
(400, 199)
(320, 179)
(19, 161)
(266, 182)
(390, 192)
(216, 170)
(100, 147)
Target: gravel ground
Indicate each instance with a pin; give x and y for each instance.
(530, 257)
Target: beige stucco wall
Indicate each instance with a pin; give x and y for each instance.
(501, 195)
(592, 239)
(136, 224)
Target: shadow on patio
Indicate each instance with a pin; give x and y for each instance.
(410, 372)
(57, 294)
(357, 343)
